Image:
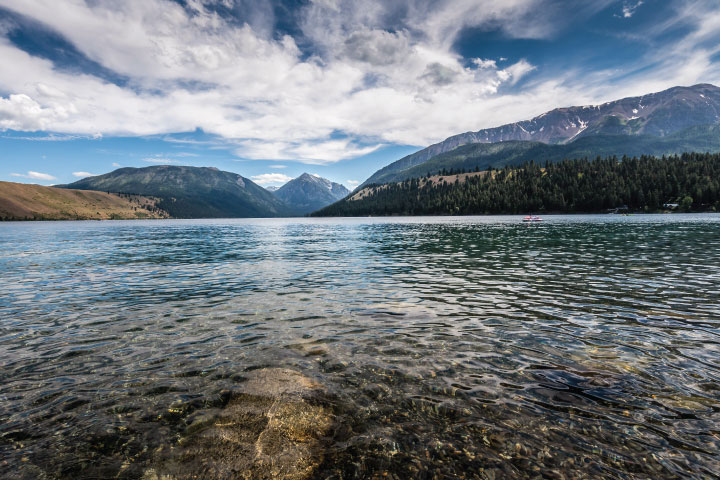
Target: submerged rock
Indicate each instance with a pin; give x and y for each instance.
(273, 428)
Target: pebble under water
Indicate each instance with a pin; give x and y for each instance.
(427, 348)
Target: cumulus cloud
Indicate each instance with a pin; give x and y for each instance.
(376, 47)
(439, 74)
(375, 72)
(21, 112)
(34, 176)
(270, 178)
(194, 69)
(84, 174)
(483, 63)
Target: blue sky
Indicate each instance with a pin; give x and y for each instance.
(338, 88)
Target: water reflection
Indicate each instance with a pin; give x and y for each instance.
(479, 347)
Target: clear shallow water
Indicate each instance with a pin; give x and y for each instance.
(473, 347)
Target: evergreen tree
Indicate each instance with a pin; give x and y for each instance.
(572, 186)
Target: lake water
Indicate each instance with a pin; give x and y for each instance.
(471, 347)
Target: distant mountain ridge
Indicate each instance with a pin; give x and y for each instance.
(191, 192)
(655, 115)
(702, 138)
(308, 193)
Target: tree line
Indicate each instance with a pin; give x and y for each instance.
(638, 184)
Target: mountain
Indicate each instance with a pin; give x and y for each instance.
(272, 188)
(191, 192)
(308, 193)
(19, 201)
(655, 115)
(703, 138)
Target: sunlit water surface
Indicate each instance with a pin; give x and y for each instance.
(477, 347)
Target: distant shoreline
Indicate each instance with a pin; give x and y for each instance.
(519, 215)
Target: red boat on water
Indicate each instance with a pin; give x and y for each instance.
(532, 218)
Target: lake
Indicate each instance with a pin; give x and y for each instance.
(444, 347)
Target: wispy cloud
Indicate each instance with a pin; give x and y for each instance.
(352, 183)
(160, 160)
(34, 175)
(84, 174)
(53, 137)
(189, 141)
(270, 178)
(278, 166)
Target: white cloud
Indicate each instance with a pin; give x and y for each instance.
(278, 166)
(159, 160)
(518, 70)
(270, 178)
(289, 105)
(628, 9)
(311, 152)
(685, 61)
(20, 112)
(52, 137)
(34, 175)
(84, 174)
(352, 183)
(381, 72)
(485, 63)
(115, 164)
(376, 47)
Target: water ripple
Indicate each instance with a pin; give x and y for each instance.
(585, 347)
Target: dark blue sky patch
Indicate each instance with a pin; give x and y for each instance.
(40, 41)
(603, 41)
(275, 18)
(644, 69)
(287, 18)
(715, 58)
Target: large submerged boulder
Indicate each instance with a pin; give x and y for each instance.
(274, 427)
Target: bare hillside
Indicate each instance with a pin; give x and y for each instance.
(19, 201)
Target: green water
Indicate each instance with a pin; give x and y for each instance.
(478, 347)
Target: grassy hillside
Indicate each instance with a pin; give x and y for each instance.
(20, 201)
